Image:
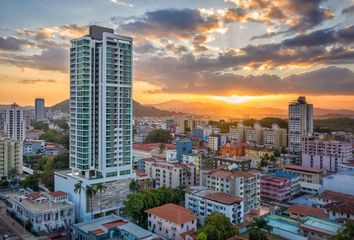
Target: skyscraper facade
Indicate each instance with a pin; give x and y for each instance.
(101, 104)
(39, 109)
(15, 123)
(300, 123)
(100, 121)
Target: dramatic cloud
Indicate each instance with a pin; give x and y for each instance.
(348, 10)
(34, 81)
(13, 44)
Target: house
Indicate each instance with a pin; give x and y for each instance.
(315, 228)
(171, 221)
(300, 212)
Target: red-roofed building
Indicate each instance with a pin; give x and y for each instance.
(300, 212)
(171, 221)
(233, 149)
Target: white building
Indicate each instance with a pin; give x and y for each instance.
(33, 147)
(237, 183)
(169, 174)
(11, 156)
(39, 109)
(300, 123)
(338, 182)
(15, 123)
(214, 142)
(325, 154)
(203, 201)
(100, 117)
(171, 221)
(47, 212)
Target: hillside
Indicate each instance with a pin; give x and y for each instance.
(138, 110)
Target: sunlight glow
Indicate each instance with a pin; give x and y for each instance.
(234, 99)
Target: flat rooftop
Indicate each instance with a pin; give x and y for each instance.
(322, 225)
(283, 223)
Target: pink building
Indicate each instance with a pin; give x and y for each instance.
(275, 188)
(171, 221)
(325, 155)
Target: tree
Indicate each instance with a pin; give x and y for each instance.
(28, 224)
(161, 148)
(47, 176)
(90, 193)
(346, 234)
(202, 236)
(77, 189)
(134, 186)
(147, 183)
(13, 172)
(100, 187)
(218, 227)
(261, 223)
(159, 136)
(61, 161)
(32, 181)
(257, 234)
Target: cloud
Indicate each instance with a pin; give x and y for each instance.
(35, 81)
(13, 44)
(53, 57)
(122, 3)
(348, 10)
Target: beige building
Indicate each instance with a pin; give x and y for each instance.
(169, 174)
(11, 156)
(188, 124)
(274, 137)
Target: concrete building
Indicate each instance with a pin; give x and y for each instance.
(315, 228)
(237, 183)
(294, 181)
(39, 109)
(275, 137)
(238, 132)
(183, 147)
(300, 123)
(301, 212)
(203, 201)
(110, 227)
(233, 149)
(311, 179)
(258, 152)
(275, 188)
(188, 124)
(33, 147)
(15, 123)
(325, 155)
(171, 221)
(254, 135)
(46, 211)
(169, 174)
(339, 181)
(100, 118)
(11, 156)
(214, 142)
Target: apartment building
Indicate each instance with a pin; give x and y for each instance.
(214, 142)
(11, 156)
(300, 123)
(46, 211)
(39, 109)
(233, 149)
(171, 221)
(110, 227)
(339, 181)
(203, 201)
(15, 123)
(183, 147)
(170, 174)
(33, 147)
(325, 155)
(189, 124)
(236, 183)
(275, 188)
(294, 184)
(258, 152)
(274, 137)
(203, 132)
(311, 179)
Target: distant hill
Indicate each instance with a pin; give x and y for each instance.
(138, 110)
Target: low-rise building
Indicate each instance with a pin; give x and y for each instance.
(311, 179)
(233, 149)
(11, 157)
(315, 228)
(294, 182)
(110, 227)
(325, 155)
(203, 201)
(46, 211)
(300, 212)
(53, 149)
(170, 174)
(237, 183)
(34, 134)
(258, 152)
(275, 188)
(171, 221)
(33, 147)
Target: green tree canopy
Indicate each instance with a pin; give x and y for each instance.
(218, 226)
(159, 136)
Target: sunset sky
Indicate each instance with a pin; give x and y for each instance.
(236, 51)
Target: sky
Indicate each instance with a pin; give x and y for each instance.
(232, 51)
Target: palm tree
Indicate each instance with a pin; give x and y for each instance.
(134, 186)
(100, 187)
(77, 189)
(90, 193)
(148, 183)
